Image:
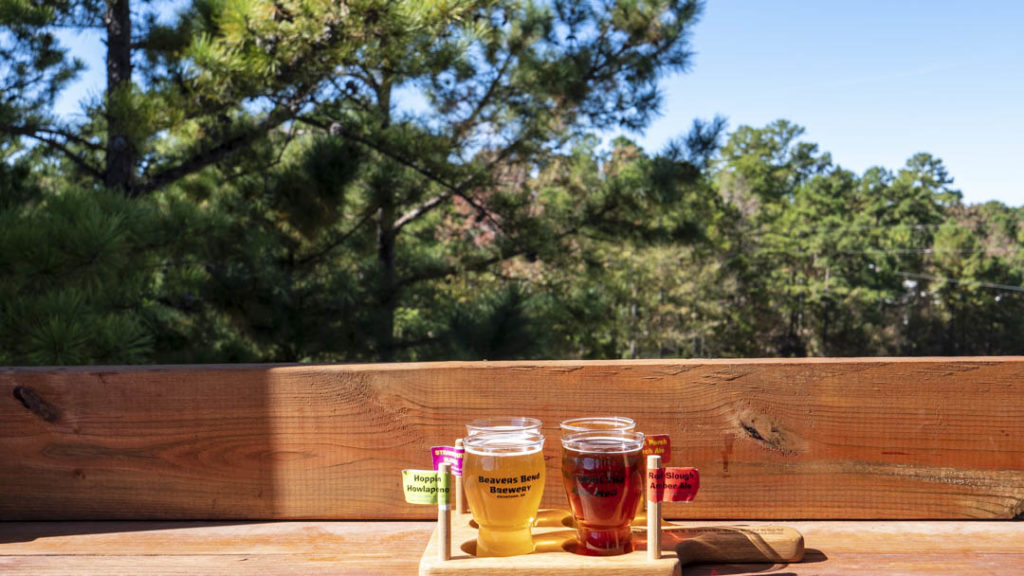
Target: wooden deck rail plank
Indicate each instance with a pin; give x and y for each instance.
(327, 565)
(271, 549)
(369, 540)
(826, 438)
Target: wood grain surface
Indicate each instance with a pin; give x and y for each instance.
(883, 438)
(394, 548)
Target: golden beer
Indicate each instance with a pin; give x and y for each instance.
(503, 477)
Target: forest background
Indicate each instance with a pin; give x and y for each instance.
(247, 189)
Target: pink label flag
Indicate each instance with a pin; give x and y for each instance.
(450, 455)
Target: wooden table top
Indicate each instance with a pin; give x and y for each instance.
(395, 547)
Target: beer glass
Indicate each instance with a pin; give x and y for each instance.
(503, 424)
(503, 477)
(602, 472)
(585, 423)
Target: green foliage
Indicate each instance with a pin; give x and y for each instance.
(836, 264)
(74, 282)
(371, 180)
(499, 325)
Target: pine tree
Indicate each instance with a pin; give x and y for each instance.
(189, 104)
(504, 84)
(759, 175)
(209, 86)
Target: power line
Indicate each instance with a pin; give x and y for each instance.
(957, 281)
(825, 252)
(865, 227)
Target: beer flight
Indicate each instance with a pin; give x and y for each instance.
(503, 475)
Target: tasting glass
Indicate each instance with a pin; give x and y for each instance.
(503, 477)
(602, 471)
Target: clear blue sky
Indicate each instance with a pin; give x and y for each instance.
(873, 82)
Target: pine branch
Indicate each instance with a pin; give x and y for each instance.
(72, 138)
(436, 273)
(335, 128)
(33, 131)
(320, 254)
(26, 81)
(62, 147)
(222, 150)
(460, 189)
(420, 210)
(477, 266)
(351, 95)
(367, 76)
(279, 115)
(463, 126)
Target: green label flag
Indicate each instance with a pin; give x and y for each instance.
(421, 487)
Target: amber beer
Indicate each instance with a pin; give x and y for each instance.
(585, 423)
(503, 476)
(603, 476)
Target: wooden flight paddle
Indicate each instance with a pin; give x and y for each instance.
(555, 541)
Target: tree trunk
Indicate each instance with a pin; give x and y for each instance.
(386, 270)
(120, 159)
(827, 301)
(386, 237)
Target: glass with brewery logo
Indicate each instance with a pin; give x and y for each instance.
(503, 424)
(585, 423)
(602, 473)
(503, 477)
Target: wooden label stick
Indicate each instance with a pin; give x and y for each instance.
(461, 506)
(653, 511)
(444, 512)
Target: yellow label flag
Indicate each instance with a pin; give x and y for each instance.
(422, 487)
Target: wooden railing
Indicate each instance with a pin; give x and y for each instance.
(825, 439)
